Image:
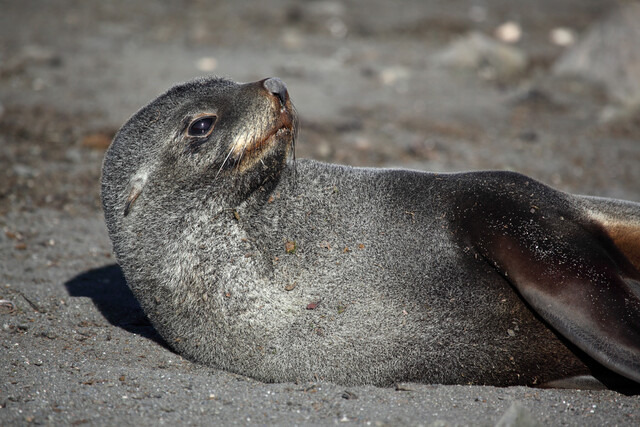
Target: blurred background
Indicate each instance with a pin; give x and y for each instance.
(549, 88)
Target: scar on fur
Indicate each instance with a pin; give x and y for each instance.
(136, 185)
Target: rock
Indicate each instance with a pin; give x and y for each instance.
(490, 58)
(562, 36)
(509, 32)
(389, 76)
(608, 54)
(24, 171)
(207, 64)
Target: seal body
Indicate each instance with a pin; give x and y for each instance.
(284, 270)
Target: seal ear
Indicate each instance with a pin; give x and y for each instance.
(135, 187)
(578, 281)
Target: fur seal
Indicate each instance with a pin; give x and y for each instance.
(248, 260)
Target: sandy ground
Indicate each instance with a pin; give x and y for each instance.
(371, 87)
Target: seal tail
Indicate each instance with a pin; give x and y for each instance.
(581, 275)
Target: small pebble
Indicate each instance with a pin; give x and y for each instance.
(291, 286)
(562, 36)
(509, 32)
(207, 64)
(7, 307)
(349, 395)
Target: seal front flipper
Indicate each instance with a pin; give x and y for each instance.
(572, 274)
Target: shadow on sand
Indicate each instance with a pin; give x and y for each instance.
(107, 288)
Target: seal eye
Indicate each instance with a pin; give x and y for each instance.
(201, 126)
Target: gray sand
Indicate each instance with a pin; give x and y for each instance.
(371, 89)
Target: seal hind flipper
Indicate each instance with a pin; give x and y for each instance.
(578, 281)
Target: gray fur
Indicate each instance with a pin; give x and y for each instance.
(400, 291)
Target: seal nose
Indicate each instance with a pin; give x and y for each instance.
(277, 88)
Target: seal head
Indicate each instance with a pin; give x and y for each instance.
(194, 143)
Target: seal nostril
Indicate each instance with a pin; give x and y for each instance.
(276, 87)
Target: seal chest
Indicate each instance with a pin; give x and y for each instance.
(284, 270)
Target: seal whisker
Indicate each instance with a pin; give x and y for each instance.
(292, 148)
(244, 150)
(224, 162)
